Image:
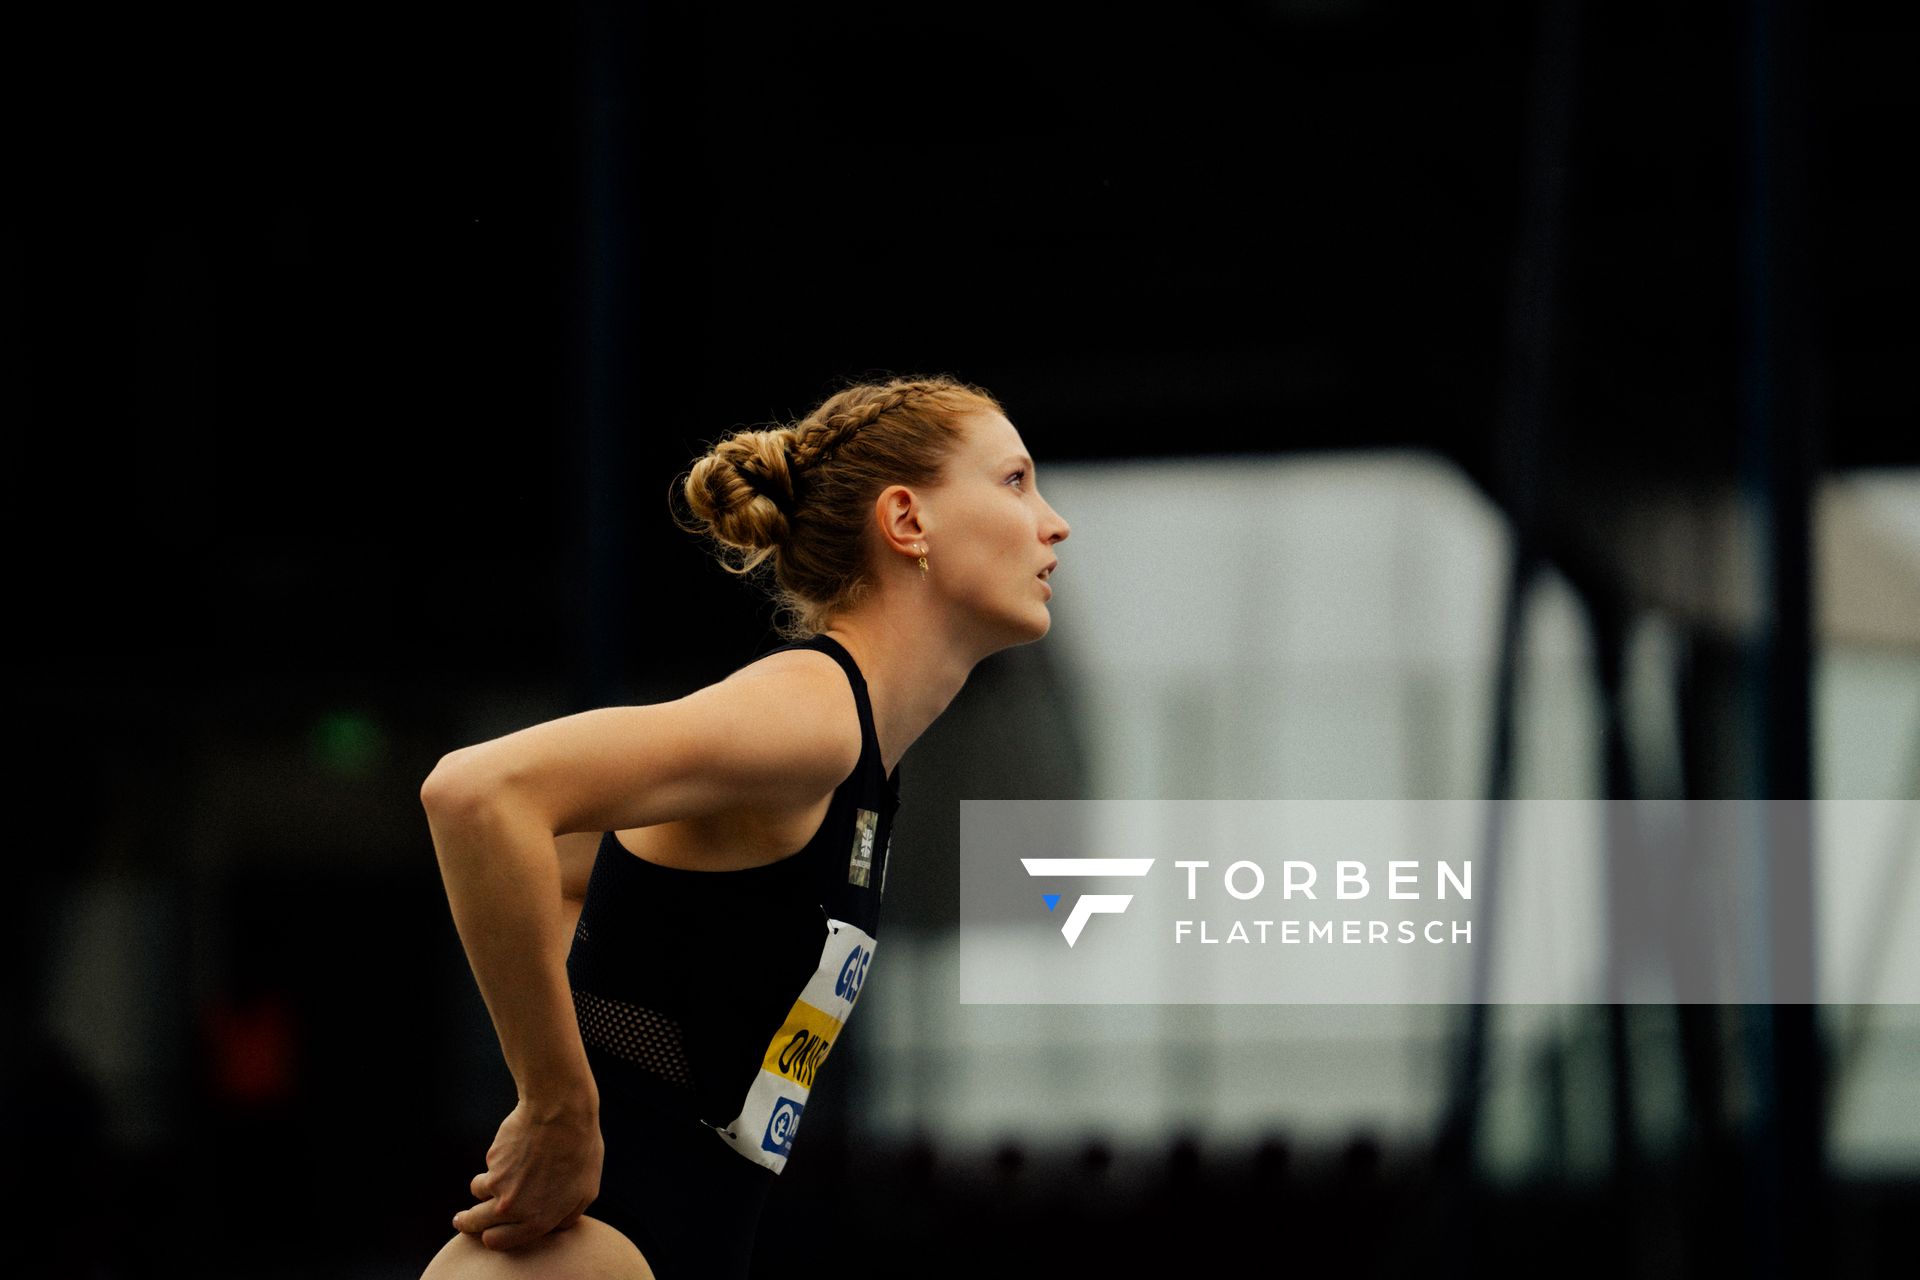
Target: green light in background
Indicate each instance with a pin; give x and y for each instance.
(348, 743)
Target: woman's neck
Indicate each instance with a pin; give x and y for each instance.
(911, 677)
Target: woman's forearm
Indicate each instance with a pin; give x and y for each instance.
(503, 885)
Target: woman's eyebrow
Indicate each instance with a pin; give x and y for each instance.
(1021, 458)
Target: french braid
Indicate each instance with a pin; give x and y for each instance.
(797, 498)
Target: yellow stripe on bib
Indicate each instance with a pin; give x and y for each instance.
(802, 1045)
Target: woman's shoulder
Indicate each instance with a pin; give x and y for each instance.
(807, 686)
(808, 675)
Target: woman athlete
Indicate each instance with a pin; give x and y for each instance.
(670, 909)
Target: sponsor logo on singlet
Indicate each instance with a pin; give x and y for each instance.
(866, 823)
(780, 1126)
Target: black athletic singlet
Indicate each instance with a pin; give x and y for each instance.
(708, 1000)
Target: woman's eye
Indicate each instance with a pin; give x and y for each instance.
(1016, 475)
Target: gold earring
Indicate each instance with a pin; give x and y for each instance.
(921, 548)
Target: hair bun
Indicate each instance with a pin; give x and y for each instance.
(770, 489)
(747, 491)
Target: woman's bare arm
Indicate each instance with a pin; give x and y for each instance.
(576, 853)
(780, 732)
(508, 908)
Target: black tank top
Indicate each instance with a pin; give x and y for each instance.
(719, 994)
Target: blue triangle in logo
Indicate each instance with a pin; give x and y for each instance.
(1051, 899)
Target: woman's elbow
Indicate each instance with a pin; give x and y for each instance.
(454, 782)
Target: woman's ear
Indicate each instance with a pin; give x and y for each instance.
(900, 514)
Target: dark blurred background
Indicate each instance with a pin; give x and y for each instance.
(352, 352)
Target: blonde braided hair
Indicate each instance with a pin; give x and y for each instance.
(798, 497)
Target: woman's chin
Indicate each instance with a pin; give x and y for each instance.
(1025, 626)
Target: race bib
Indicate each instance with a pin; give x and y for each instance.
(763, 1131)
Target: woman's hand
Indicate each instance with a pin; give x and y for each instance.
(543, 1170)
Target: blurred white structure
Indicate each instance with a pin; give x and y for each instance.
(1327, 626)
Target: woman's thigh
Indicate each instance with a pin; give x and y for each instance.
(588, 1250)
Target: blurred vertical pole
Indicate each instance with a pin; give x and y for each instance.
(1630, 905)
(1520, 477)
(1708, 688)
(1787, 1178)
(604, 610)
